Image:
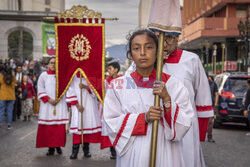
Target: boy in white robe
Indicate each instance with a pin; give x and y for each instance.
(53, 116)
(113, 70)
(91, 120)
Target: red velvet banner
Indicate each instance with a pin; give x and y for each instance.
(80, 47)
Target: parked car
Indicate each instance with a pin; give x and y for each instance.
(232, 87)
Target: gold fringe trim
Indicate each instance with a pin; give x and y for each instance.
(167, 28)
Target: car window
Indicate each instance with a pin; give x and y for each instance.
(216, 80)
(224, 81)
(238, 84)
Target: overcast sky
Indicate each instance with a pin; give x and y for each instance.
(125, 10)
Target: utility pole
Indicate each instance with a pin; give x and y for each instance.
(202, 54)
(214, 58)
(207, 54)
(247, 24)
(223, 56)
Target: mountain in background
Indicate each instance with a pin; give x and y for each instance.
(117, 52)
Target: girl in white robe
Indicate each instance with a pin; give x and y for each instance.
(187, 68)
(129, 110)
(91, 119)
(51, 125)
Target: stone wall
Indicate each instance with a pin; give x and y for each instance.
(33, 27)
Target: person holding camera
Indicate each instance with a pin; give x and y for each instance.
(27, 95)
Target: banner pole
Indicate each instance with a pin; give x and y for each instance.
(54, 111)
(157, 100)
(51, 19)
(81, 112)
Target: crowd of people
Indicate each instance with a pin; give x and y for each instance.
(18, 81)
(124, 123)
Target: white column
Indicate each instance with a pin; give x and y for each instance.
(3, 40)
(37, 49)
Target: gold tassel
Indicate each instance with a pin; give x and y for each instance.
(54, 111)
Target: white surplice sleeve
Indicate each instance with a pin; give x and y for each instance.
(71, 96)
(179, 118)
(119, 124)
(41, 90)
(91, 92)
(203, 100)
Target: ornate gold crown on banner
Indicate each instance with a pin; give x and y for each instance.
(79, 12)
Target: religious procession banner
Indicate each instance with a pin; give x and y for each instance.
(80, 47)
(49, 41)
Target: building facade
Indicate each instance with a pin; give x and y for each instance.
(20, 22)
(210, 28)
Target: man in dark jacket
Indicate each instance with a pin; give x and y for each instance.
(17, 106)
(215, 99)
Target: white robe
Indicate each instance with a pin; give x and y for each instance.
(91, 118)
(190, 72)
(122, 106)
(47, 87)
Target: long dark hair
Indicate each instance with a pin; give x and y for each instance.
(51, 59)
(37, 68)
(130, 38)
(8, 77)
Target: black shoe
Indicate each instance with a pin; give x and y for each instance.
(51, 151)
(211, 140)
(9, 127)
(75, 149)
(87, 154)
(59, 150)
(113, 153)
(72, 156)
(112, 156)
(86, 150)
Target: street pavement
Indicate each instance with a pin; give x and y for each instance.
(231, 149)
(17, 149)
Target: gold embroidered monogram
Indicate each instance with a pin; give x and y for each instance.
(79, 47)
